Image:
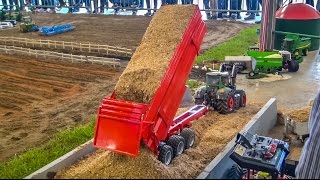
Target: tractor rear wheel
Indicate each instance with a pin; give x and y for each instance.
(293, 66)
(177, 143)
(165, 154)
(227, 105)
(189, 137)
(198, 101)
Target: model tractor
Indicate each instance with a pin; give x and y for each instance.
(297, 46)
(220, 91)
(27, 25)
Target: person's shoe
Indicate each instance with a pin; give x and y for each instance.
(257, 14)
(247, 14)
(219, 15)
(250, 17)
(214, 17)
(147, 14)
(238, 16)
(225, 16)
(233, 17)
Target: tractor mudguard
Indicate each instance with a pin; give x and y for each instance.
(222, 93)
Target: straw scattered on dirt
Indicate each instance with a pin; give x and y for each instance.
(146, 68)
(272, 77)
(213, 132)
(300, 115)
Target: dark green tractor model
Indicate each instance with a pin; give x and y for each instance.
(27, 25)
(297, 46)
(220, 91)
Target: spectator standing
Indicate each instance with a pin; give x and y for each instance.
(141, 3)
(155, 5)
(235, 5)
(318, 5)
(5, 4)
(210, 4)
(222, 5)
(254, 6)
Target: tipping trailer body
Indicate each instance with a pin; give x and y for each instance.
(121, 125)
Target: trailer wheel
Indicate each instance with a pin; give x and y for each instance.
(305, 52)
(226, 106)
(177, 143)
(166, 154)
(293, 66)
(251, 74)
(189, 137)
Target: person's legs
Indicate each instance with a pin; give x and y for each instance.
(213, 5)
(254, 4)
(206, 6)
(248, 4)
(233, 6)
(70, 4)
(239, 8)
(103, 3)
(155, 2)
(220, 7)
(310, 2)
(5, 4)
(318, 5)
(148, 7)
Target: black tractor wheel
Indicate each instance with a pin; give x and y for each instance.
(296, 54)
(177, 143)
(243, 98)
(189, 137)
(251, 74)
(165, 154)
(226, 106)
(305, 52)
(293, 66)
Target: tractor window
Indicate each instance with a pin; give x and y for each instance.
(225, 80)
(213, 80)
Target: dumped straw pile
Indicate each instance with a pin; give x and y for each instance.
(143, 75)
(300, 115)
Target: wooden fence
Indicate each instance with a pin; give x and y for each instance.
(89, 48)
(113, 62)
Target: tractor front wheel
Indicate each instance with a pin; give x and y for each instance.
(177, 143)
(227, 105)
(166, 154)
(243, 98)
(189, 137)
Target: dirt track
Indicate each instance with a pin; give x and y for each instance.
(122, 31)
(37, 98)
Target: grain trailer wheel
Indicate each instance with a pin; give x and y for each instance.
(189, 137)
(177, 143)
(165, 154)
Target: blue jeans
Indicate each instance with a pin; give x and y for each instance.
(35, 2)
(235, 5)
(187, 1)
(254, 5)
(169, 1)
(222, 5)
(149, 5)
(5, 4)
(310, 2)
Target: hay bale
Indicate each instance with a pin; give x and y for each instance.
(144, 72)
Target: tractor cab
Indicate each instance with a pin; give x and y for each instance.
(218, 79)
(288, 44)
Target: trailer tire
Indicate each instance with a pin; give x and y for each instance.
(198, 101)
(227, 105)
(293, 66)
(305, 52)
(165, 154)
(189, 137)
(177, 143)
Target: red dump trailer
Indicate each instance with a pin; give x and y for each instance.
(121, 125)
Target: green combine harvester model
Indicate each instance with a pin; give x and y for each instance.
(27, 25)
(297, 46)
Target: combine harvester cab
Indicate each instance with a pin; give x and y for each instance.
(53, 30)
(122, 125)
